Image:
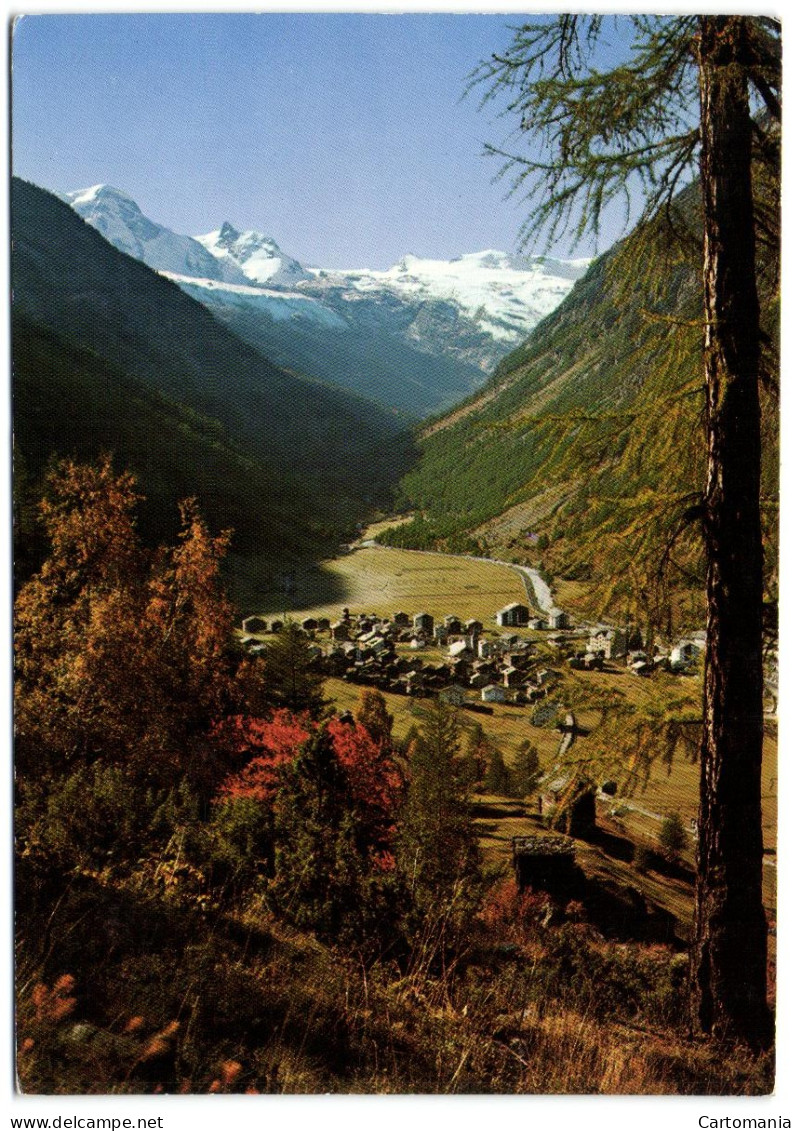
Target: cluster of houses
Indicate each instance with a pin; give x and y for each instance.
(365, 649)
(606, 642)
(471, 668)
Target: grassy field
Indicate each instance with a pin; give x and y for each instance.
(383, 580)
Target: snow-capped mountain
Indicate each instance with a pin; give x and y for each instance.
(504, 295)
(120, 219)
(419, 336)
(258, 256)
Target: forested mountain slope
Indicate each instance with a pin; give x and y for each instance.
(585, 453)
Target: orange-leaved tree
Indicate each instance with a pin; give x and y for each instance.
(122, 657)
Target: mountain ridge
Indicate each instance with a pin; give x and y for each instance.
(417, 337)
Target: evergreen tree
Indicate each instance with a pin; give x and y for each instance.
(291, 679)
(672, 837)
(474, 762)
(526, 768)
(332, 874)
(373, 715)
(438, 846)
(682, 101)
(498, 778)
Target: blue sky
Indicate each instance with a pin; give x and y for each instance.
(346, 137)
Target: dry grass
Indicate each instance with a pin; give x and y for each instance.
(382, 580)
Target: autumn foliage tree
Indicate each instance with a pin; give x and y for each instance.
(329, 793)
(123, 672)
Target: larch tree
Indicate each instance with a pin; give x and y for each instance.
(629, 109)
(121, 655)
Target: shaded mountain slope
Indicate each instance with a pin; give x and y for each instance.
(110, 356)
(69, 402)
(67, 278)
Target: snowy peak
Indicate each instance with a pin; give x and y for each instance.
(121, 221)
(97, 194)
(505, 295)
(468, 311)
(258, 256)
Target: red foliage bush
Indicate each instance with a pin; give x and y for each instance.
(374, 779)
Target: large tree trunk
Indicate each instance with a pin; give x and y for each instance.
(730, 934)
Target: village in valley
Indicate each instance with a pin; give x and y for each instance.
(466, 664)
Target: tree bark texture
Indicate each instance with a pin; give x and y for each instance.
(729, 962)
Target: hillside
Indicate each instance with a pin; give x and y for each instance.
(585, 452)
(110, 355)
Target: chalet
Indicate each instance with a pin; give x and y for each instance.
(479, 680)
(507, 640)
(401, 619)
(485, 649)
(512, 676)
(416, 644)
(440, 634)
(254, 624)
(473, 627)
(609, 641)
(537, 623)
(684, 654)
(545, 863)
(547, 677)
(340, 631)
(323, 624)
(453, 625)
(557, 618)
(460, 649)
(453, 694)
(493, 694)
(277, 626)
(569, 801)
(513, 614)
(423, 624)
(309, 625)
